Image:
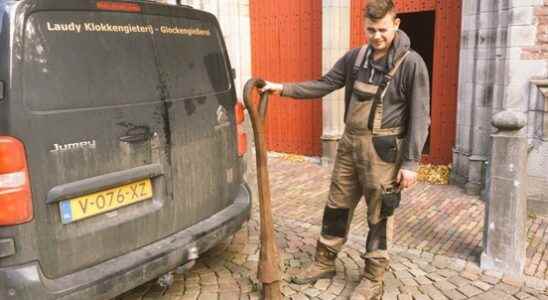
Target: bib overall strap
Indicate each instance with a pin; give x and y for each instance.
(375, 119)
(361, 58)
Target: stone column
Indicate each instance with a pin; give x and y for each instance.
(505, 233)
(336, 41)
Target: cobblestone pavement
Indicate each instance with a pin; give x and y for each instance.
(436, 245)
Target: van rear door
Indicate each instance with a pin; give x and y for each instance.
(106, 121)
(194, 66)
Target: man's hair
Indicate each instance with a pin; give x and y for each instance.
(378, 9)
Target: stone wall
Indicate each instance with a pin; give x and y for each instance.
(496, 65)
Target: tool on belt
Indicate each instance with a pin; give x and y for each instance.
(269, 267)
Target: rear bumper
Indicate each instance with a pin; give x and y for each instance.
(115, 276)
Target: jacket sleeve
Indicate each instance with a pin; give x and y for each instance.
(418, 87)
(333, 80)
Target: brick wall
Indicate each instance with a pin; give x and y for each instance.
(540, 50)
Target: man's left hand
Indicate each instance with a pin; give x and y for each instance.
(406, 178)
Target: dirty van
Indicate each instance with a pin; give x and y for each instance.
(121, 148)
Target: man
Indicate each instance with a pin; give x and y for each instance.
(387, 116)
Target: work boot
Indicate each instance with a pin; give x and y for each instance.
(322, 267)
(371, 286)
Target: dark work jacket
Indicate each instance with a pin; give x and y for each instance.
(407, 101)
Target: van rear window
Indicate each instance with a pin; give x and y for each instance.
(95, 59)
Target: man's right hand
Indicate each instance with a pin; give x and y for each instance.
(272, 88)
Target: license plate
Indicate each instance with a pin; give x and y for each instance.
(104, 201)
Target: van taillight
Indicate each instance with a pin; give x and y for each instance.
(15, 197)
(118, 6)
(242, 136)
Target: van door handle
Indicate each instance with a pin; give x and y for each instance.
(136, 135)
(134, 138)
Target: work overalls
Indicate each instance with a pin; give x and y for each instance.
(368, 159)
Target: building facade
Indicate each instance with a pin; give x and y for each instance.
(484, 56)
(504, 48)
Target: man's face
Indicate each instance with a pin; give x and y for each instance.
(381, 32)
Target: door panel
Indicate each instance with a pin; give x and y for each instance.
(286, 47)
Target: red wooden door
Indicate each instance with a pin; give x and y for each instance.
(286, 45)
(447, 15)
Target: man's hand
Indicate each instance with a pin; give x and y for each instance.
(406, 178)
(272, 88)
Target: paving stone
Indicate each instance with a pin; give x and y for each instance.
(327, 296)
(335, 288)
(506, 288)
(444, 285)
(208, 296)
(469, 290)
(523, 296)
(409, 290)
(403, 274)
(513, 281)
(398, 267)
(408, 282)
(435, 277)
(428, 268)
(312, 292)
(432, 292)
(417, 272)
(482, 285)
(423, 280)
(457, 265)
(459, 281)
(392, 283)
(322, 284)
(543, 296)
(535, 283)
(229, 296)
(470, 275)
(427, 256)
(454, 294)
(495, 295)
(420, 297)
(447, 273)
(489, 279)
(441, 262)
(287, 291)
(390, 296)
(210, 288)
(404, 297)
(190, 295)
(391, 290)
(299, 297)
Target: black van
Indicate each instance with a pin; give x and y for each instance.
(121, 152)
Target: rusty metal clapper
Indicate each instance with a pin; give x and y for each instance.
(269, 268)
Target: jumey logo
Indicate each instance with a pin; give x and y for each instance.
(80, 145)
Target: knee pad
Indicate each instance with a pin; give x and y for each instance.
(335, 221)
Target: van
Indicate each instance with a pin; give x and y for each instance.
(121, 152)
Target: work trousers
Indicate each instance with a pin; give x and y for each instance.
(358, 171)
